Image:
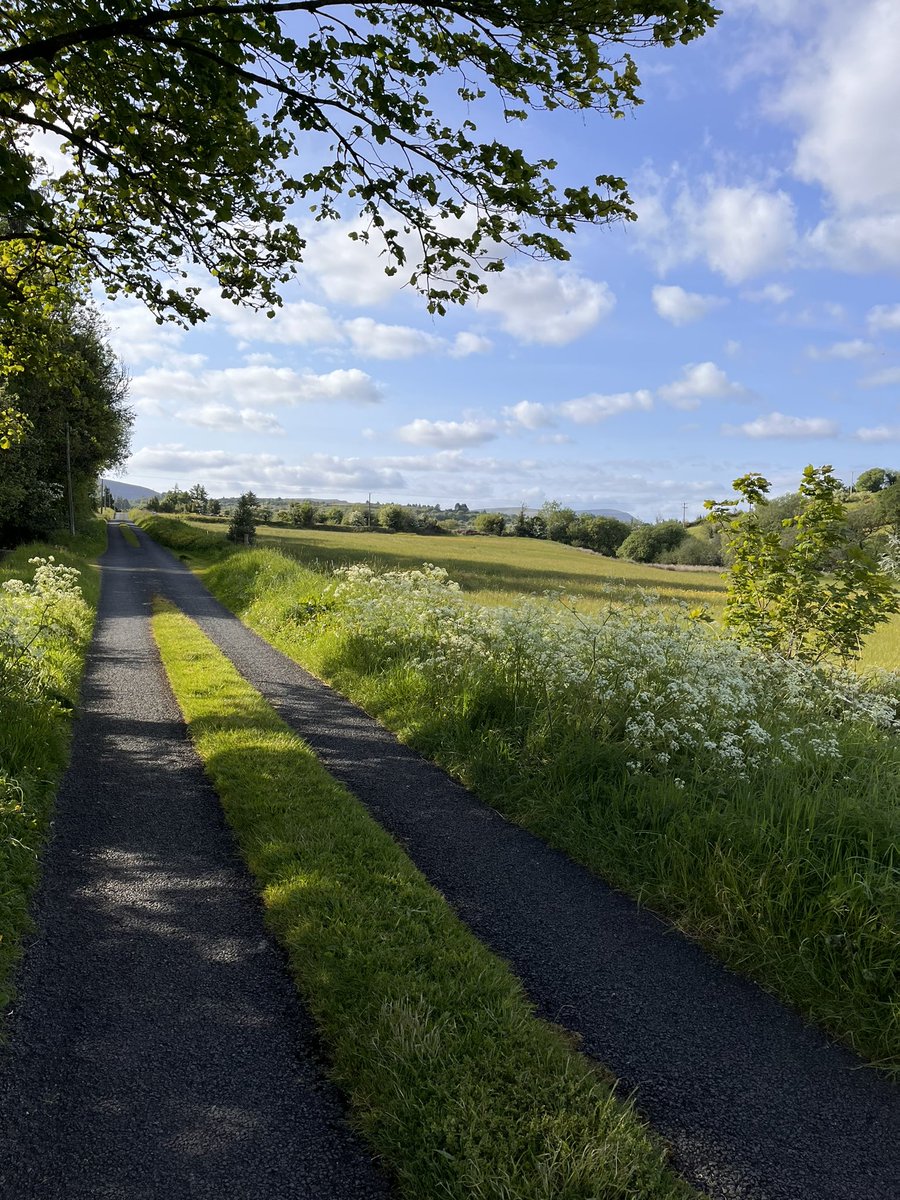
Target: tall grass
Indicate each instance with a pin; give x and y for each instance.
(754, 804)
(37, 700)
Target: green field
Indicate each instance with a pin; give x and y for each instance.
(493, 570)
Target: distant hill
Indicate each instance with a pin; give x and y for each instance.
(618, 513)
(129, 491)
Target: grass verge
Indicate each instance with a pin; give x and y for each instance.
(789, 874)
(460, 1090)
(36, 707)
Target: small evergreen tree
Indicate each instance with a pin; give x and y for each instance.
(242, 528)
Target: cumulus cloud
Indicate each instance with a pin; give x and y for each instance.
(588, 410)
(232, 420)
(772, 293)
(855, 348)
(884, 318)
(739, 231)
(780, 425)
(376, 340)
(529, 414)
(295, 323)
(879, 433)
(886, 378)
(545, 305)
(470, 432)
(699, 382)
(266, 474)
(467, 343)
(263, 385)
(679, 307)
(136, 337)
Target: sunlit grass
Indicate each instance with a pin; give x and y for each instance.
(461, 1091)
(34, 740)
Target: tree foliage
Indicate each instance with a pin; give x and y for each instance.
(646, 543)
(242, 527)
(875, 479)
(183, 121)
(814, 597)
(69, 379)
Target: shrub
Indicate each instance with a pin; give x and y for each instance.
(647, 542)
(694, 553)
(493, 523)
(814, 598)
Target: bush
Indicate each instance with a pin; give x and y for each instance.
(493, 523)
(603, 535)
(694, 553)
(303, 514)
(647, 542)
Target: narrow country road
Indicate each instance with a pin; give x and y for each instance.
(756, 1104)
(159, 1051)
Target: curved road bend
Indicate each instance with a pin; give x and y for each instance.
(159, 1051)
(756, 1104)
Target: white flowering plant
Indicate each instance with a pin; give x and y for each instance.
(35, 617)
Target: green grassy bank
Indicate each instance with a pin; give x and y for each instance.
(38, 692)
(460, 1090)
(783, 862)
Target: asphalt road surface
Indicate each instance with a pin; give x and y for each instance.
(159, 1051)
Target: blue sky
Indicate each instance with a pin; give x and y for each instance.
(750, 320)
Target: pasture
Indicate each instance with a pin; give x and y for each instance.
(494, 570)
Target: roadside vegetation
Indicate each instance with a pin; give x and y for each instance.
(460, 1089)
(130, 537)
(752, 800)
(48, 598)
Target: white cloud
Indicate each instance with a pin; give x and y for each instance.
(879, 433)
(470, 432)
(886, 378)
(348, 271)
(674, 304)
(779, 425)
(884, 318)
(259, 384)
(376, 340)
(466, 343)
(266, 474)
(136, 337)
(747, 230)
(772, 293)
(739, 231)
(544, 305)
(856, 348)
(296, 322)
(588, 410)
(231, 420)
(839, 95)
(699, 382)
(529, 413)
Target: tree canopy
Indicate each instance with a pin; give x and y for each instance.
(199, 134)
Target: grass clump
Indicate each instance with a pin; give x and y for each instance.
(460, 1090)
(46, 619)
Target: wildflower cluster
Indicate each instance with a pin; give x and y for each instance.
(677, 697)
(34, 618)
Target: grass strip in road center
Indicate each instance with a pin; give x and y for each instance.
(461, 1091)
(130, 536)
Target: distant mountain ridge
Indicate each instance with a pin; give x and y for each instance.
(618, 513)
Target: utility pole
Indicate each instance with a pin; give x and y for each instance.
(684, 513)
(69, 478)
(369, 512)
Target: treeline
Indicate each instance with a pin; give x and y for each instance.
(64, 416)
